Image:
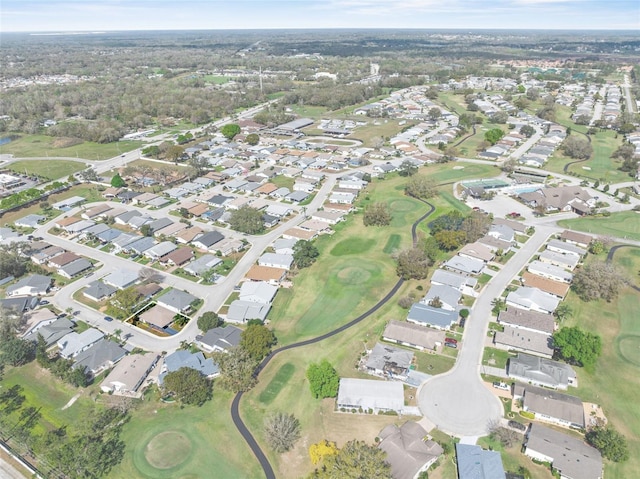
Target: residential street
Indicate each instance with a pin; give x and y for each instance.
(457, 402)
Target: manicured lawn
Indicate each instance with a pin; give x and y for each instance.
(458, 171)
(392, 244)
(50, 169)
(513, 459)
(279, 381)
(314, 112)
(41, 145)
(166, 441)
(469, 147)
(282, 181)
(433, 364)
(625, 224)
(495, 357)
(384, 129)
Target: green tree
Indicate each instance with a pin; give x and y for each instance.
(577, 147)
(356, 460)
(412, 264)
(323, 379)
(578, 346)
(449, 240)
(494, 135)
(434, 113)
(230, 130)
(122, 304)
(252, 139)
(562, 312)
(188, 386)
(281, 431)
(377, 214)
(305, 253)
(236, 370)
(609, 442)
(247, 220)
(174, 153)
(421, 187)
(209, 320)
(117, 181)
(145, 230)
(407, 168)
(199, 163)
(257, 340)
(528, 131)
(598, 280)
(597, 247)
(16, 351)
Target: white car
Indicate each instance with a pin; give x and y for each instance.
(503, 386)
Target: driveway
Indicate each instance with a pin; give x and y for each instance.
(458, 402)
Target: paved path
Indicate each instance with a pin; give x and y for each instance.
(235, 405)
(457, 402)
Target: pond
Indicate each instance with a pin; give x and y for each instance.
(5, 140)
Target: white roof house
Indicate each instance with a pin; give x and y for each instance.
(464, 284)
(33, 285)
(121, 278)
(562, 247)
(465, 266)
(257, 292)
(161, 249)
(533, 299)
(549, 271)
(370, 394)
(567, 261)
(449, 297)
(74, 343)
(275, 260)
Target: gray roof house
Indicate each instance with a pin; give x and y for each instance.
(185, 359)
(122, 240)
(464, 284)
(413, 335)
(533, 299)
(257, 292)
(407, 451)
(284, 245)
(567, 261)
(160, 250)
(52, 332)
(502, 231)
(158, 224)
(141, 245)
(476, 463)
(176, 300)
(389, 362)
(202, 264)
(125, 217)
(529, 320)
(370, 394)
(549, 271)
(121, 278)
(128, 376)
(75, 268)
(274, 260)
(449, 297)
(207, 240)
(568, 455)
(464, 266)
(97, 291)
(74, 343)
(552, 406)
(33, 285)
(242, 311)
(524, 341)
(562, 247)
(541, 372)
(100, 356)
(30, 221)
(219, 339)
(429, 316)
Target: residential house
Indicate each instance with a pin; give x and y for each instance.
(413, 335)
(549, 271)
(65, 221)
(279, 210)
(331, 217)
(176, 300)
(502, 231)
(524, 340)
(516, 226)
(52, 332)
(546, 285)
(159, 250)
(569, 456)
(124, 218)
(551, 406)
(273, 276)
(97, 291)
(202, 264)
(408, 452)
(541, 372)
(389, 362)
(75, 268)
(44, 255)
(62, 260)
(96, 211)
(370, 394)
(219, 339)
(578, 239)
(565, 248)
(188, 235)
(464, 266)
(207, 240)
(185, 359)
(528, 320)
(449, 297)
(121, 278)
(170, 230)
(158, 317)
(243, 311)
(128, 376)
(464, 284)
(37, 319)
(297, 196)
(257, 292)
(178, 257)
(30, 221)
(275, 260)
(566, 261)
(74, 343)
(157, 225)
(108, 235)
(32, 285)
(299, 234)
(284, 246)
(476, 463)
(529, 298)
(477, 251)
(429, 316)
(98, 357)
(123, 240)
(564, 198)
(140, 246)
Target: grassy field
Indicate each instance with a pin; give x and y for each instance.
(614, 383)
(313, 112)
(166, 441)
(513, 459)
(41, 145)
(50, 169)
(469, 147)
(453, 103)
(625, 224)
(452, 172)
(385, 129)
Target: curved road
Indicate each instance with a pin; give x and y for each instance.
(235, 405)
(458, 402)
(612, 252)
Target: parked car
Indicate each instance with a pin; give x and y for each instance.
(517, 425)
(451, 345)
(500, 385)
(451, 340)
(44, 301)
(108, 318)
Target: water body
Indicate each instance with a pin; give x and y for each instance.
(5, 140)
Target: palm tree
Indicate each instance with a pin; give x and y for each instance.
(117, 333)
(562, 312)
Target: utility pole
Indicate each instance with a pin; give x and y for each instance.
(261, 90)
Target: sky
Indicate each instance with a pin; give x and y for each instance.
(110, 15)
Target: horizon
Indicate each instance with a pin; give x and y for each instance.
(80, 16)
